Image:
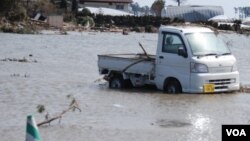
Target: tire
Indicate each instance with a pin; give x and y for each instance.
(173, 87)
(116, 82)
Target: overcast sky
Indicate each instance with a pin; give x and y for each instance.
(227, 5)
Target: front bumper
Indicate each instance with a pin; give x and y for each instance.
(223, 82)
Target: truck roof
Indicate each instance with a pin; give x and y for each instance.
(185, 29)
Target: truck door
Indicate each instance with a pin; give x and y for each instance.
(169, 63)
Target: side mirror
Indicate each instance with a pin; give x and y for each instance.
(182, 52)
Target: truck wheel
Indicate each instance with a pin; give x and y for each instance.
(173, 87)
(116, 82)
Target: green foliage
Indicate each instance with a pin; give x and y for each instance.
(17, 14)
(149, 28)
(40, 108)
(86, 20)
(12, 29)
(44, 6)
(7, 5)
(225, 27)
(157, 6)
(7, 29)
(12, 10)
(177, 20)
(130, 21)
(238, 22)
(63, 4)
(84, 12)
(68, 17)
(74, 6)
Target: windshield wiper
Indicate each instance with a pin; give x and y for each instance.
(228, 53)
(210, 54)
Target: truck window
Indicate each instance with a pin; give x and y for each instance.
(171, 43)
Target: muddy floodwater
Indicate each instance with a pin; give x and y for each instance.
(44, 69)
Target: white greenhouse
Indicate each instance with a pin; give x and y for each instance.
(192, 13)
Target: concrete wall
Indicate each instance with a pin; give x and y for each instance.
(55, 20)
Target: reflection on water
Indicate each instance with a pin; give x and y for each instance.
(200, 122)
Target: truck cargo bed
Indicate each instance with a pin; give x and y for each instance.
(129, 63)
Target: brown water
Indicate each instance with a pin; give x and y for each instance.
(67, 65)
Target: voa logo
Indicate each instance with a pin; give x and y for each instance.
(236, 132)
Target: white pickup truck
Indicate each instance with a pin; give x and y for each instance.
(188, 59)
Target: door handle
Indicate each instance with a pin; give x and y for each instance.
(161, 57)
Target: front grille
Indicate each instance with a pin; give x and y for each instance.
(221, 87)
(220, 69)
(221, 83)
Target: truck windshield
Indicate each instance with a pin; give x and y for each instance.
(204, 44)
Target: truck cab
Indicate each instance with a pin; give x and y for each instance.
(194, 60)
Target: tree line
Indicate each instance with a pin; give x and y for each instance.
(155, 8)
(242, 12)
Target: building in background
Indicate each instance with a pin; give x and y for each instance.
(192, 13)
(113, 4)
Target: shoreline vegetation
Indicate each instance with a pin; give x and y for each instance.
(19, 20)
(17, 17)
(101, 23)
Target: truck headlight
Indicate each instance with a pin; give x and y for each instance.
(198, 68)
(234, 68)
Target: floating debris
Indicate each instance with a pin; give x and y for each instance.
(244, 89)
(172, 123)
(118, 105)
(23, 60)
(15, 75)
(18, 75)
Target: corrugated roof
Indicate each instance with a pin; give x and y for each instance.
(115, 1)
(192, 13)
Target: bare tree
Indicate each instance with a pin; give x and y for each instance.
(179, 1)
(135, 8)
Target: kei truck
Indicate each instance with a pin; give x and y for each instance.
(188, 59)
